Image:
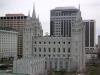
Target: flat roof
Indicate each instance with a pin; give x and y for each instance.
(8, 15)
(71, 8)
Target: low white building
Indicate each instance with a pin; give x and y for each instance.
(8, 43)
(30, 65)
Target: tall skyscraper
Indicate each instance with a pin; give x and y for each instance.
(61, 21)
(89, 35)
(15, 21)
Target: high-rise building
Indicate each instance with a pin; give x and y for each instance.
(61, 21)
(99, 41)
(89, 39)
(15, 21)
(89, 35)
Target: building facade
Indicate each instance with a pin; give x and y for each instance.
(61, 53)
(8, 43)
(89, 39)
(99, 41)
(61, 21)
(89, 35)
(30, 66)
(15, 21)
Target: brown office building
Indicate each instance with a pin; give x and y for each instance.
(16, 21)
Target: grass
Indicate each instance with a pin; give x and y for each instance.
(93, 69)
(63, 73)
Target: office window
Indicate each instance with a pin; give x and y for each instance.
(44, 49)
(69, 50)
(58, 42)
(39, 55)
(63, 42)
(49, 50)
(49, 42)
(53, 55)
(49, 55)
(63, 49)
(53, 49)
(44, 42)
(34, 49)
(58, 49)
(54, 42)
(44, 55)
(39, 49)
(68, 42)
(39, 42)
(35, 42)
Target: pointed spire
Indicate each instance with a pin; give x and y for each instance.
(28, 16)
(79, 6)
(33, 14)
(29, 13)
(38, 17)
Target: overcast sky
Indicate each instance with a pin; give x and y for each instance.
(90, 9)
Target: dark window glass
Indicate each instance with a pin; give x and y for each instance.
(44, 49)
(4, 17)
(51, 28)
(49, 42)
(62, 27)
(69, 50)
(39, 49)
(18, 17)
(69, 28)
(1, 17)
(11, 17)
(49, 50)
(91, 34)
(14, 17)
(54, 42)
(39, 42)
(58, 42)
(35, 42)
(63, 49)
(53, 49)
(34, 49)
(68, 42)
(86, 34)
(44, 55)
(49, 55)
(25, 17)
(63, 42)
(21, 17)
(39, 55)
(44, 42)
(58, 49)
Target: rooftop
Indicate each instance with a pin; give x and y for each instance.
(9, 15)
(65, 8)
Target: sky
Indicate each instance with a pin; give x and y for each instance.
(89, 8)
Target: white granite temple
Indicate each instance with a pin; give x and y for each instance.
(60, 52)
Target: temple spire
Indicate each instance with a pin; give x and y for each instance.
(34, 14)
(29, 13)
(28, 16)
(38, 17)
(79, 6)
